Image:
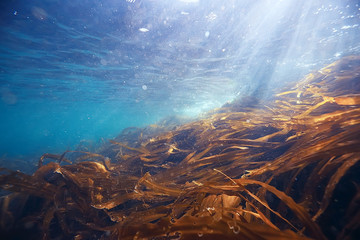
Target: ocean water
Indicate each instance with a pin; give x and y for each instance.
(79, 72)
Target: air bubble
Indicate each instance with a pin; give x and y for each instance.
(236, 229)
(200, 234)
(230, 224)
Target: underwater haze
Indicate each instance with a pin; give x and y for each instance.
(80, 71)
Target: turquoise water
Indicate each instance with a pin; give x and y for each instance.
(76, 72)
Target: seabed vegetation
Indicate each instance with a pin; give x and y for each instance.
(282, 169)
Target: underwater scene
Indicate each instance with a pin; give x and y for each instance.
(180, 119)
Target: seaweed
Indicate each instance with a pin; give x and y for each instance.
(281, 169)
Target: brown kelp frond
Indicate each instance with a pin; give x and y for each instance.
(59, 158)
(276, 170)
(140, 150)
(16, 181)
(239, 182)
(349, 161)
(205, 227)
(298, 210)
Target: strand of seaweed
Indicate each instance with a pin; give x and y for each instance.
(267, 172)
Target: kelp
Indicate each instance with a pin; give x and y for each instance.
(281, 169)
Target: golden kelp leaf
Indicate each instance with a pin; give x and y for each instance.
(116, 201)
(89, 155)
(49, 215)
(206, 228)
(140, 150)
(349, 100)
(16, 181)
(350, 161)
(146, 181)
(261, 215)
(149, 158)
(230, 201)
(60, 158)
(300, 212)
(287, 92)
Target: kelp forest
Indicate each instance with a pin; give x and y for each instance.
(285, 168)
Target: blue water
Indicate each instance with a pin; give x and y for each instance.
(81, 71)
